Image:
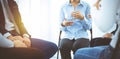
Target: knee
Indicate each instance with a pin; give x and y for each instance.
(50, 50)
(75, 48)
(79, 53)
(53, 46)
(64, 47)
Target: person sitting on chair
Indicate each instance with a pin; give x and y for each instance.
(100, 52)
(103, 52)
(14, 35)
(75, 20)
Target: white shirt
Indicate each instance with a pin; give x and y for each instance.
(101, 19)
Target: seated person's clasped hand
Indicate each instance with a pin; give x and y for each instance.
(20, 41)
(27, 41)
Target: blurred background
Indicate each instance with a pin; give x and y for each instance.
(41, 18)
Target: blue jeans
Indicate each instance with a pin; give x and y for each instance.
(99, 52)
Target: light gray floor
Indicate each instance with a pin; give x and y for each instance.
(55, 56)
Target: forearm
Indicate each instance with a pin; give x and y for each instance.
(61, 25)
(87, 24)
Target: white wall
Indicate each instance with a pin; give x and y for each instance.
(41, 18)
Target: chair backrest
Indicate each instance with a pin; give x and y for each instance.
(59, 38)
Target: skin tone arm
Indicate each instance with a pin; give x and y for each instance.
(107, 35)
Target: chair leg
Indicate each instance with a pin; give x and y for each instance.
(58, 54)
(59, 45)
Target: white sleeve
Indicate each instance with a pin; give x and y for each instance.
(6, 34)
(4, 42)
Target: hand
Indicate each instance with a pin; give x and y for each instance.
(78, 15)
(107, 35)
(11, 38)
(67, 23)
(97, 5)
(15, 38)
(19, 38)
(27, 41)
(19, 43)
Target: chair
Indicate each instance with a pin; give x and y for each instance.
(59, 44)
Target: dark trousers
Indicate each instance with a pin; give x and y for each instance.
(40, 49)
(100, 41)
(66, 45)
(48, 48)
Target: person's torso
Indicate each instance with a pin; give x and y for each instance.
(76, 30)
